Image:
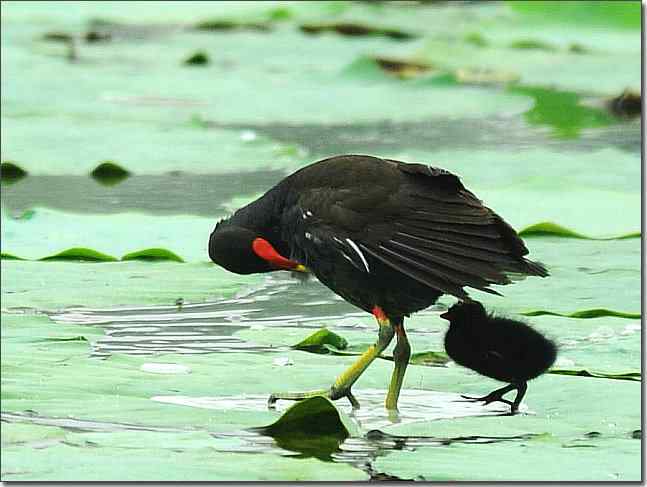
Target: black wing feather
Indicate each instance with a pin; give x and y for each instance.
(418, 220)
(413, 269)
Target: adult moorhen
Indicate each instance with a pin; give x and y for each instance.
(387, 236)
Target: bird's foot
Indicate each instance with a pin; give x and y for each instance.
(333, 394)
(495, 396)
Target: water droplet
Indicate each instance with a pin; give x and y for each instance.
(282, 361)
(157, 368)
(248, 135)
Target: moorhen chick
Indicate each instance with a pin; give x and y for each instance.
(501, 348)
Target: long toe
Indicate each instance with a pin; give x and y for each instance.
(296, 396)
(490, 398)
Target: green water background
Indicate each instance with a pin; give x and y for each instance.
(105, 273)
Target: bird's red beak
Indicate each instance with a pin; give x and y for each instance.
(445, 315)
(265, 251)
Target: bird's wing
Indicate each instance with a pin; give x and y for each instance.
(324, 224)
(418, 220)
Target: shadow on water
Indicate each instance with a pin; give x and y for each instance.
(211, 327)
(493, 133)
(206, 195)
(166, 194)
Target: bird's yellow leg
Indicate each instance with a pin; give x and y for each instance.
(343, 383)
(401, 355)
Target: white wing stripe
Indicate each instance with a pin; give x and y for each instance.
(359, 252)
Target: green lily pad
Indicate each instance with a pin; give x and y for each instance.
(615, 46)
(316, 341)
(355, 30)
(118, 234)
(636, 376)
(529, 188)
(544, 229)
(6, 256)
(585, 313)
(562, 111)
(109, 173)
(312, 427)
(429, 358)
(199, 58)
(10, 172)
(562, 410)
(186, 147)
(72, 412)
(115, 284)
(215, 25)
(153, 255)
(532, 44)
(89, 457)
(476, 39)
(80, 254)
(610, 14)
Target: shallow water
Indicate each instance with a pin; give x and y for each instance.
(156, 364)
(210, 327)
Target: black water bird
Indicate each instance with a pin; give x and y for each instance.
(497, 347)
(387, 236)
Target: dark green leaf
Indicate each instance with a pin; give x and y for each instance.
(80, 254)
(312, 427)
(320, 340)
(585, 313)
(635, 376)
(545, 229)
(153, 255)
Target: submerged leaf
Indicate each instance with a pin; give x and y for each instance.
(532, 44)
(476, 39)
(562, 111)
(215, 25)
(324, 341)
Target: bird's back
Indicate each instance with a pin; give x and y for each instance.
(379, 231)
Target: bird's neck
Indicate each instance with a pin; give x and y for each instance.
(260, 215)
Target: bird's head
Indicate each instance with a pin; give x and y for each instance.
(465, 313)
(244, 251)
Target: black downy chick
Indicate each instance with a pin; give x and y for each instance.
(501, 348)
